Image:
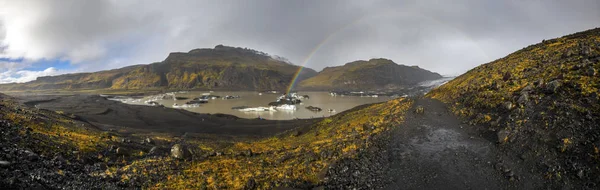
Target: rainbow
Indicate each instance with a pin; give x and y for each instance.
(344, 27)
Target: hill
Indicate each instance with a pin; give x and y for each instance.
(222, 67)
(541, 103)
(374, 74)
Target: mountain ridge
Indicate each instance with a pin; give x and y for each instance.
(222, 67)
(373, 74)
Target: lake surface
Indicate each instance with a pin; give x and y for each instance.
(253, 99)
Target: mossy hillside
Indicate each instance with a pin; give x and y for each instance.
(292, 159)
(51, 133)
(542, 100)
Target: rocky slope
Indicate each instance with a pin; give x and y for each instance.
(58, 149)
(374, 74)
(222, 67)
(541, 105)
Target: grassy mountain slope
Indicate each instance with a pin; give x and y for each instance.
(368, 75)
(219, 68)
(542, 102)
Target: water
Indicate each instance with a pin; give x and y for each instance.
(253, 99)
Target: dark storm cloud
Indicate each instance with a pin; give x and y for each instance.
(448, 37)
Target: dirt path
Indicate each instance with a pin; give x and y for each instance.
(435, 150)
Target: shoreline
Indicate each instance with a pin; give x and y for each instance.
(114, 115)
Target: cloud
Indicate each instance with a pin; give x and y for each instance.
(446, 37)
(20, 76)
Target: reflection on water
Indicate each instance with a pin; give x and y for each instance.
(253, 99)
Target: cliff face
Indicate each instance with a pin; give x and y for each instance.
(219, 68)
(368, 75)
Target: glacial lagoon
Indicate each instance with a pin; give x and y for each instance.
(329, 104)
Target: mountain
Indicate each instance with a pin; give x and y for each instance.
(222, 67)
(374, 74)
(541, 104)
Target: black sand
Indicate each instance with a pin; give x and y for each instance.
(107, 114)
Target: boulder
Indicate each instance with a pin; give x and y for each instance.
(178, 151)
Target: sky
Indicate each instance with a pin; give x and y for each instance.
(51, 37)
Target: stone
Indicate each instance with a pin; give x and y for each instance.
(4, 163)
(553, 86)
(591, 72)
(59, 159)
(153, 151)
(502, 136)
(523, 99)
(250, 184)
(122, 151)
(496, 85)
(31, 156)
(506, 76)
(178, 151)
(527, 89)
(249, 152)
(508, 105)
(420, 110)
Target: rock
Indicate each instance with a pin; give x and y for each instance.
(523, 99)
(315, 109)
(502, 136)
(580, 174)
(510, 173)
(591, 72)
(553, 86)
(153, 151)
(506, 76)
(527, 89)
(248, 152)
(31, 156)
(496, 85)
(59, 159)
(508, 105)
(539, 83)
(420, 110)
(122, 151)
(178, 151)
(297, 133)
(250, 184)
(4, 163)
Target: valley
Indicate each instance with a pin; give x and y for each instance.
(525, 121)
